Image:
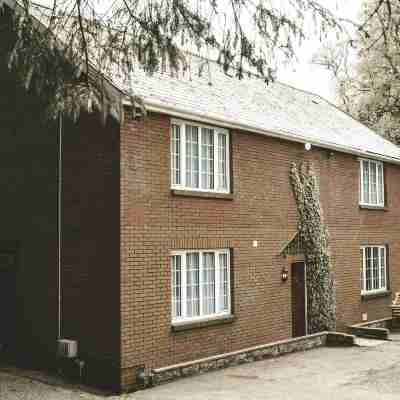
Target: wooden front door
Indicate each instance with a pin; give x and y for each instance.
(299, 300)
(8, 302)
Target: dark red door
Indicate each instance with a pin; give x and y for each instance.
(299, 308)
(8, 302)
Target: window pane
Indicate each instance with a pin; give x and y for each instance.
(207, 158)
(200, 284)
(222, 170)
(383, 267)
(380, 184)
(176, 155)
(365, 171)
(176, 286)
(362, 269)
(192, 285)
(208, 283)
(375, 267)
(373, 183)
(199, 157)
(368, 268)
(192, 156)
(223, 300)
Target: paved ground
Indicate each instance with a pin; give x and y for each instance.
(367, 372)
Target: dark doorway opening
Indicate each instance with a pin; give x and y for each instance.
(8, 303)
(299, 300)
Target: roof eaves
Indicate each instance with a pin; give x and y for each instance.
(277, 133)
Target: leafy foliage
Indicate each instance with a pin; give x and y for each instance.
(20, 109)
(367, 68)
(71, 46)
(52, 71)
(321, 303)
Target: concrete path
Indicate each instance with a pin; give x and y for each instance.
(369, 371)
(326, 373)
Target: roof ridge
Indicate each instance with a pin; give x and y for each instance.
(260, 77)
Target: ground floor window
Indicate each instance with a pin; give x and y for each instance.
(373, 269)
(200, 284)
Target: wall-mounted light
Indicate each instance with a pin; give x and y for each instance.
(307, 146)
(284, 274)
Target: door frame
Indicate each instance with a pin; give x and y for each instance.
(305, 298)
(293, 261)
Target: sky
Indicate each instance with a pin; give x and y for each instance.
(302, 73)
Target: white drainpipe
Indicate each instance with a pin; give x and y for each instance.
(59, 220)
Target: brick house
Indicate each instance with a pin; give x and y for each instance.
(173, 229)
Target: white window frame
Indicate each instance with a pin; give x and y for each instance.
(361, 191)
(182, 186)
(381, 289)
(202, 316)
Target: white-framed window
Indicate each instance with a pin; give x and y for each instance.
(371, 183)
(373, 269)
(200, 284)
(199, 157)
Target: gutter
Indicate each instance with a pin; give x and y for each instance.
(278, 133)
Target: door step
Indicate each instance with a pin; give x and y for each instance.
(363, 342)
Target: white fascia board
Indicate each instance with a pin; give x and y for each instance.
(279, 133)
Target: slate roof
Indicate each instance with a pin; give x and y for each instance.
(273, 109)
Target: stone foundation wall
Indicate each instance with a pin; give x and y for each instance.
(257, 353)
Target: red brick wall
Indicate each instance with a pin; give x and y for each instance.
(154, 222)
(90, 252)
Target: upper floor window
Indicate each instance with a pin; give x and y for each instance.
(371, 183)
(373, 269)
(200, 284)
(199, 157)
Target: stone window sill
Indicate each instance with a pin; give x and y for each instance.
(366, 297)
(208, 195)
(185, 326)
(376, 208)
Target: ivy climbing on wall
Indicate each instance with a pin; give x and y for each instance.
(321, 302)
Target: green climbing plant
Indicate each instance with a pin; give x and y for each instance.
(321, 302)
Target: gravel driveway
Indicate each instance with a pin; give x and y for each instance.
(20, 388)
(357, 373)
